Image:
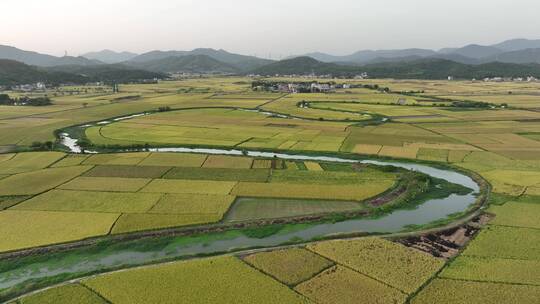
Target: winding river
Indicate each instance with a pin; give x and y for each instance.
(124, 254)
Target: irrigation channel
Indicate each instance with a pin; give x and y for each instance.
(28, 273)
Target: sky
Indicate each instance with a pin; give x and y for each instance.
(275, 29)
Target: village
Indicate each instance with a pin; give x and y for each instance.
(301, 87)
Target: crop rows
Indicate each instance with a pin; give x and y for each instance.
(394, 264)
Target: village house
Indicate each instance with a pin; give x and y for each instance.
(321, 87)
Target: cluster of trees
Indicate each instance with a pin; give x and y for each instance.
(24, 101)
(42, 146)
(376, 87)
(474, 104)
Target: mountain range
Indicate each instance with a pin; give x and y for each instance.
(37, 59)
(108, 56)
(426, 68)
(238, 63)
(517, 57)
(510, 51)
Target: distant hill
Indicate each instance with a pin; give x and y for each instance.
(451, 57)
(521, 56)
(240, 62)
(187, 64)
(362, 57)
(470, 54)
(322, 57)
(109, 73)
(156, 55)
(14, 72)
(457, 58)
(518, 44)
(304, 66)
(441, 69)
(425, 68)
(475, 51)
(37, 59)
(108, 56)
(366, 56)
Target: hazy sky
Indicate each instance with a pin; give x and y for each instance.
(277, 27)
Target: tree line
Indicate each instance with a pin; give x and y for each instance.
(5, 100)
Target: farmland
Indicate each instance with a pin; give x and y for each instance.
(398, 266)
(295, 266)
(451, 291)
(110, 194)
(342, 285)
(215, 280)
(69, 293)
(261, 208)
(119, 193)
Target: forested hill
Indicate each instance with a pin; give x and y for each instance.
(14, 72)
(418, 69)
(441, 69)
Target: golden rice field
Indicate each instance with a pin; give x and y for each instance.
(35, 182)
(517, 215)
(132, 222)
(452, 291)
(68, 200)
(74, 293)
(25, 229)
(398, 266)
(216, 280)
(494, 270)
(289, 266)
(343, 285)
(506, 242)
(24, 162)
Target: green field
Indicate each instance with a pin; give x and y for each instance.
(189, 186)
(127, 171)
(174, 160)
(357, 192)
(112, 184)
(220, 174)
(264, 208)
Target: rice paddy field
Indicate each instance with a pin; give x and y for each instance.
(225, 279)
(109, 194)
